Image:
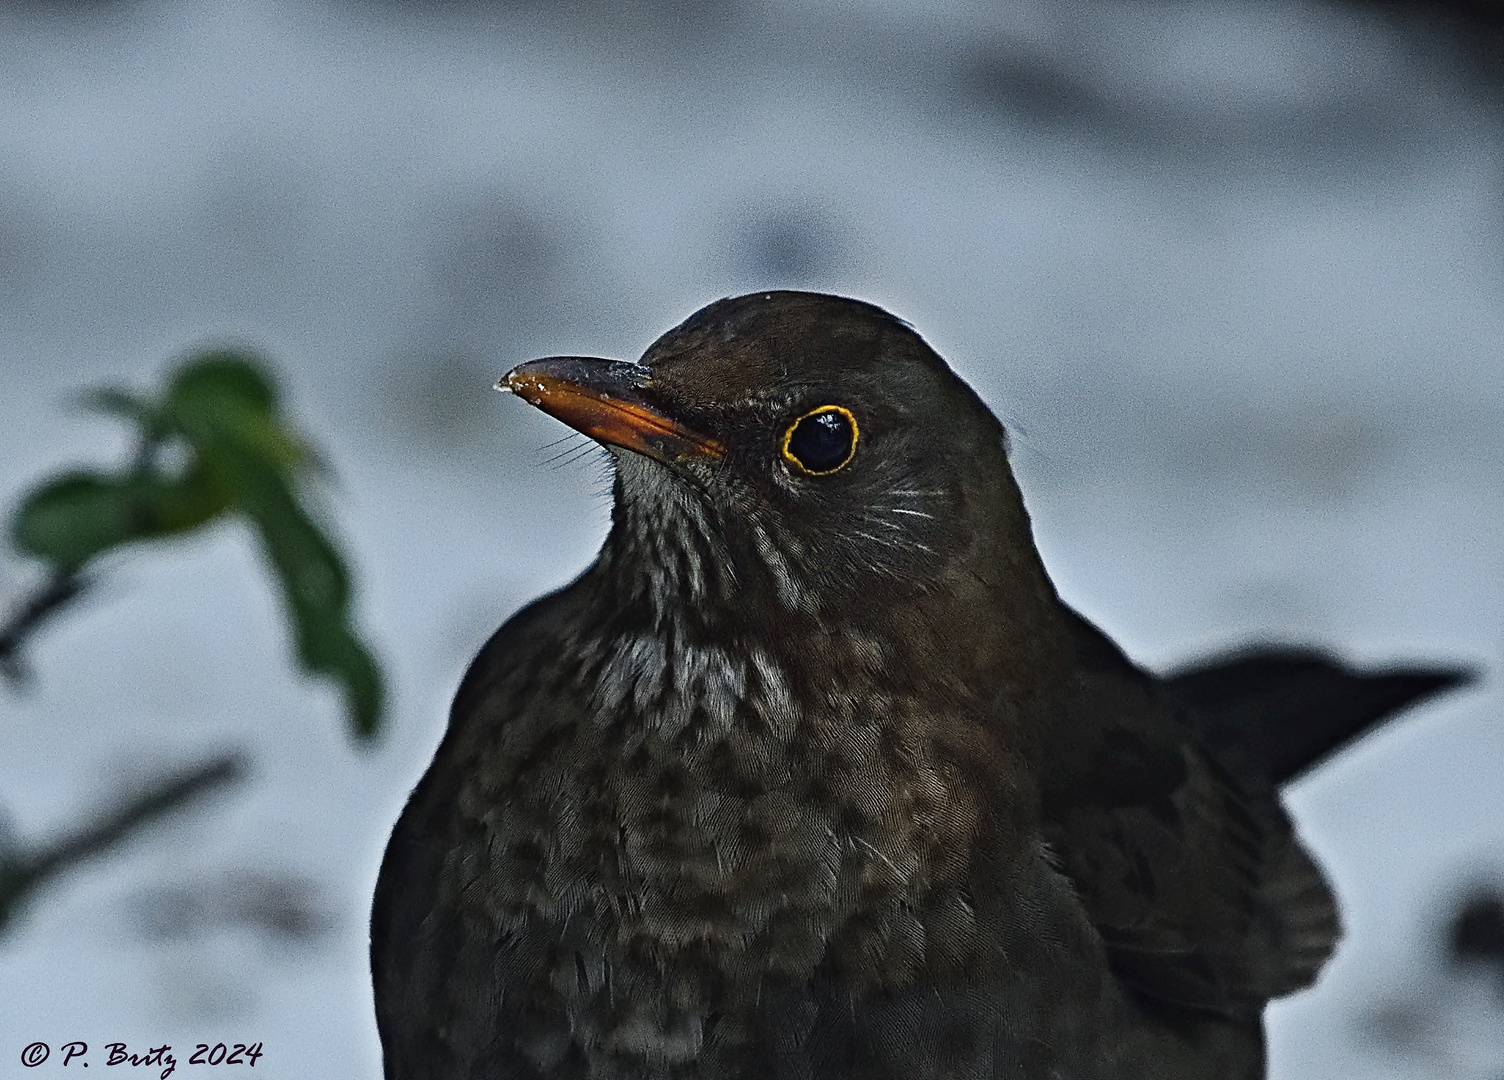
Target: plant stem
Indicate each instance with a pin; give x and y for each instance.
(59, 590)
(21, 872)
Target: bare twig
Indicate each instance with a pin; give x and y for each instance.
(59, 590)
(23, 871)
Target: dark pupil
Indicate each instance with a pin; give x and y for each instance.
(821, 442)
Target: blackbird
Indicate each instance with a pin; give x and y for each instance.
(811, 774)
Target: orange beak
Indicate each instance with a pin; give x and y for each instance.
(610, 401)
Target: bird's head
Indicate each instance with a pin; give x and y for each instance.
(796, 451)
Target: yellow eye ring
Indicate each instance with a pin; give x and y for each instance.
(822, 441)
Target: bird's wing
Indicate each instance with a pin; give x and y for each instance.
(1204, 899)
(447, 981)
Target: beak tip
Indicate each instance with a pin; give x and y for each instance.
(519, 381)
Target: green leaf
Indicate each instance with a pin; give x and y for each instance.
(72, 519)
(81, 515)
(327, 645)
(223, 375)
(223, 401)
(315, 586)
(223, 406)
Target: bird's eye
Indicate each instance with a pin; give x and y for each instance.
(821, 441)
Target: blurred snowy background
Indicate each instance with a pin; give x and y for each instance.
(1232, 272)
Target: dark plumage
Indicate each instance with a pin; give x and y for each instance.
(812, 775)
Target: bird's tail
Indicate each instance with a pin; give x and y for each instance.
(1274, 713)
